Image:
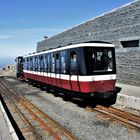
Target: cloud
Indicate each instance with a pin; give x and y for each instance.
(15, 42)
(14, 50)
(24, 20)
(7, 36)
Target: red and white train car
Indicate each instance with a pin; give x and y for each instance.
(82, 70)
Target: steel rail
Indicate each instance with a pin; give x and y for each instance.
(13, 105)
(41, 122)
(67, 133)
(123, 114)
(118, 115)
(47, 128)
(30, 107)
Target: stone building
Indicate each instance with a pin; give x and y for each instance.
(121, 27)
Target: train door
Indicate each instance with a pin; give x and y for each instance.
(49, 69)
(42, 68)
(53, 65)
(57, 69)
(36, 68)
(74, 70)
(65, 79)
(45, 69)
(31, 67)
(19, 66)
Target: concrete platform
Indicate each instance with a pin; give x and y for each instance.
(129, 96)
(6, 130)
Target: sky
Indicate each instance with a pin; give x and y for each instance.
(23, 23)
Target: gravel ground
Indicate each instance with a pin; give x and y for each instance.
(83, 123)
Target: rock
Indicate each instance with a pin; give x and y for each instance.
(8, 70)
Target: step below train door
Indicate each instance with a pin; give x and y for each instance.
(74, 69)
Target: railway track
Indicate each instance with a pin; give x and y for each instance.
(32, 122)
(128, 119)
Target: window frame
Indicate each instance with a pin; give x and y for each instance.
(100, 72)
(41, 57)
(45, 63)
(49, 63)
(57, 64)
(52, 63)
(63, 62)
(72, 61)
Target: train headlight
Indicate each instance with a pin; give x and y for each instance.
(111, 78)
(92, 94)
(93, 78)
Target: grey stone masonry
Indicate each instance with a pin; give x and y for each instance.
(122, 24)
(128, 66)
(119, 25)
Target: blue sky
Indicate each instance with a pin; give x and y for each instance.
(24, 22)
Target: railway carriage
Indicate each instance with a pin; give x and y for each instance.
(83, 70)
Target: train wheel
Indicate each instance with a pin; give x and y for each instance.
(109, 101)
(67, 97)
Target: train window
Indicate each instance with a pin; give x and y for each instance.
(45, 63)
(57, 58)
(41, 63)
(27, 63)
(100, 60)
(63, 61)
(36, 64)
(33, 63)
(24, 64)
(52, 63)
(73, 62)
(49, 62)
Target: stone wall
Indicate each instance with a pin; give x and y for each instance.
(128, 65)
(122, 24)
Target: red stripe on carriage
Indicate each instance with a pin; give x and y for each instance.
(85, 87)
